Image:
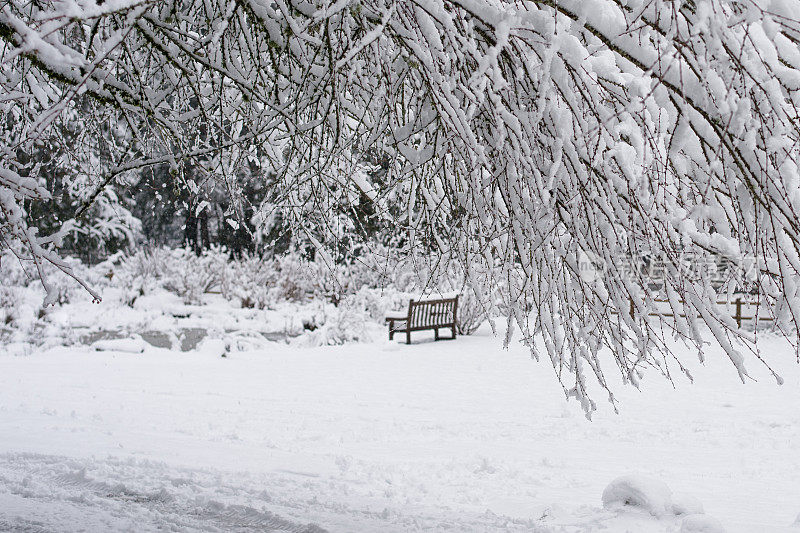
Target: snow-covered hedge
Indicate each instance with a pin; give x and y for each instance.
(318, 302)
(261, 283)
(180, 271)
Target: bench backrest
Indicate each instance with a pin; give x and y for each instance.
(432, 313)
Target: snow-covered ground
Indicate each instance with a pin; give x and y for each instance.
(458, 436)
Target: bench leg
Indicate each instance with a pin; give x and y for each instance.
(391, 329)
(454, 331)
(436, 334)
(408, 337)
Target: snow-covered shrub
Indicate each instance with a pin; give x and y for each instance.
(334, 280)
(369, 301)
(471, 313)
(418, 274)
(8, 304)
(24, 317)
(142, 271)
(296, 279)
(180, 271)
(21, 312)
(332, 285)
(293, 277)
(299, 279)
(190, 276)
(307, 317)
(62, 291)
(341, 325)
(21, 273)
(375, 303)
(375, 268)
(105, 273)
(13, 272)
(251, 282)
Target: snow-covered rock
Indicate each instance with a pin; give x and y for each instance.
(653, 496)
(133, 344)
(700, 523)
(216, 347)
(641, 492)
(685, 504)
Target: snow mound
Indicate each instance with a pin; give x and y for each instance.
(216, 347)
(700, 523)
(684, 504)
(641, 492)
(134, 344)
(655, 497)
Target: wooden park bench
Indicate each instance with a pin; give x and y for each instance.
(424, 315)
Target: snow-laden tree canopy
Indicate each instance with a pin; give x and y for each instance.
(527, 138)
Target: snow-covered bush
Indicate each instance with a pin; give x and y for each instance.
(254, 281)
(296, 279)
(13, 272)
(140, 272)
(375, 267)
(190, 275)
(375, 303)
(21, 314)
(471, 313)
(251, 282)
(300, 279)
(21, 273)
(180, 271)
(339, 325)
(8, 303)
(25, 316)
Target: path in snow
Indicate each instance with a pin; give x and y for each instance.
(52, 493)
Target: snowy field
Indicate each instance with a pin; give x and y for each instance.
(446, 436)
